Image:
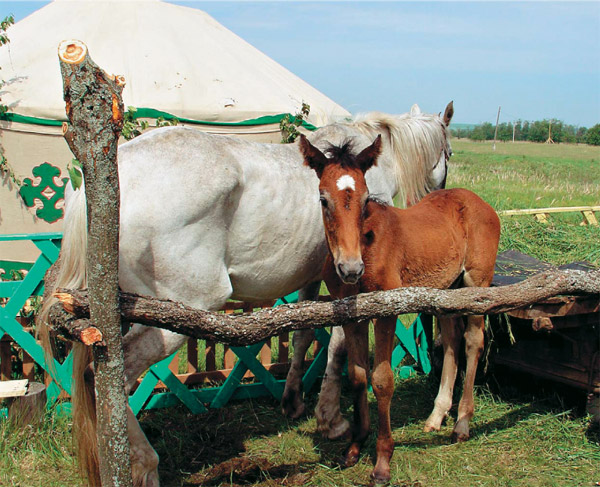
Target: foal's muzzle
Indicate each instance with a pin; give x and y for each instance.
(350, 271)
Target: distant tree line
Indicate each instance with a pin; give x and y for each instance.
(533, 132)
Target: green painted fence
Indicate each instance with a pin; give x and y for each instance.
(412, 342)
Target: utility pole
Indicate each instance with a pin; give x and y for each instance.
(514, 128)
(496, 131)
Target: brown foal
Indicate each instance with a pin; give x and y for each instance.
(448, 239)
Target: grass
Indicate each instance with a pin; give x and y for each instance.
(38, 456)
(524, 436)
(527, 175)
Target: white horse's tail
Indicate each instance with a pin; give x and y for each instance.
(70, 271)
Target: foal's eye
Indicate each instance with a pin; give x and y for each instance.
(323, 201)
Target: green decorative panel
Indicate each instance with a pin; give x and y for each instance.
(47, 191)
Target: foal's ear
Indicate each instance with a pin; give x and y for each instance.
(368, 157)
(448, 113)
(313, 157)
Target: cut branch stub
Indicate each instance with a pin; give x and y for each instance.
(72, 51)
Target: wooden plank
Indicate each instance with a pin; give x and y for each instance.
(560, 209)
(5, 360)
(589, 218)
(13, 388)
(210, 356)
(192, 355)
(284, 348)
(559, 306)
(28, 366)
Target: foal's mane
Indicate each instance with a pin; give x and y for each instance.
(415, 139)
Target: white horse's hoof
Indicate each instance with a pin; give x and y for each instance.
(292, 405)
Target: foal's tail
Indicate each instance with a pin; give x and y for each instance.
(70, 271)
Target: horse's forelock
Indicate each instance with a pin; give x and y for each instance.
(343, 154)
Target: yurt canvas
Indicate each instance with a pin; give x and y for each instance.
(177, 61)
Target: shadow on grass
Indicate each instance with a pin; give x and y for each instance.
(210, 449)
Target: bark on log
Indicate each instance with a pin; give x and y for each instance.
(94, 108)
(249, 328)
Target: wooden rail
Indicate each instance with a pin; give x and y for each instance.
(541, 214)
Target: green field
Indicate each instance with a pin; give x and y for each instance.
(531, 435)
(528, 175)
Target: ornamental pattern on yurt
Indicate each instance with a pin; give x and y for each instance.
(47, 192)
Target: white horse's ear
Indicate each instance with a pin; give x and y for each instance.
(313, 157)
(415, 110)
(368, 157)
(448, 113)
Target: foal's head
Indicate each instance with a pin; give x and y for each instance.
(343, 194)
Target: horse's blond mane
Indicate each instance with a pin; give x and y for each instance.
(416, 140)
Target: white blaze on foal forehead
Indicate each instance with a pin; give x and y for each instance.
(346, 182)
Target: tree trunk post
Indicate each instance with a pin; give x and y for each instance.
(95, 111)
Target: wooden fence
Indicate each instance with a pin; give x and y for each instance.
(225, 373)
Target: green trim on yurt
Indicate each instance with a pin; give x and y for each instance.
(152, 113)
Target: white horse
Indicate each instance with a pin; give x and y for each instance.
(205, 218)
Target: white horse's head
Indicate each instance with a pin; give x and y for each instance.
(440, 170)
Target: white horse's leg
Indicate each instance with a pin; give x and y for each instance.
(292, 403)
(329, 417)
(144, 346)
(144, 460)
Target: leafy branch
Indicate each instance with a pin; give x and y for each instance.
(5, 168)
(132, 126)
(289, 126)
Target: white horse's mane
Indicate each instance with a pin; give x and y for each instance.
(416, 140)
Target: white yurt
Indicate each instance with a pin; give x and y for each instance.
(177, 61)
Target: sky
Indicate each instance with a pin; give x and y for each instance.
(537, 60)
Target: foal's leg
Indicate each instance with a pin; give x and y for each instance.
(383, 387)
(330, 421)
(292, 404)
(357, 343)
(451, 330)
(474, 339)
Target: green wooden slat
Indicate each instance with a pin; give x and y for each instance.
(422, 350)
(162, 371)
(7, 237)
(49, 248)
(138, 399)
(319, 363)
(207, 395)
(8, 288)
(233, 379)
(259, 371)
(398, 355)
(28, 285)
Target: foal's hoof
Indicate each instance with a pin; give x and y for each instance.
(380, 478)
(350, 457)
(459, 437)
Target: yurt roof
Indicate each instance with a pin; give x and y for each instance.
(174, 59)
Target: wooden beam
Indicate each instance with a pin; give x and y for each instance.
(247, 328)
